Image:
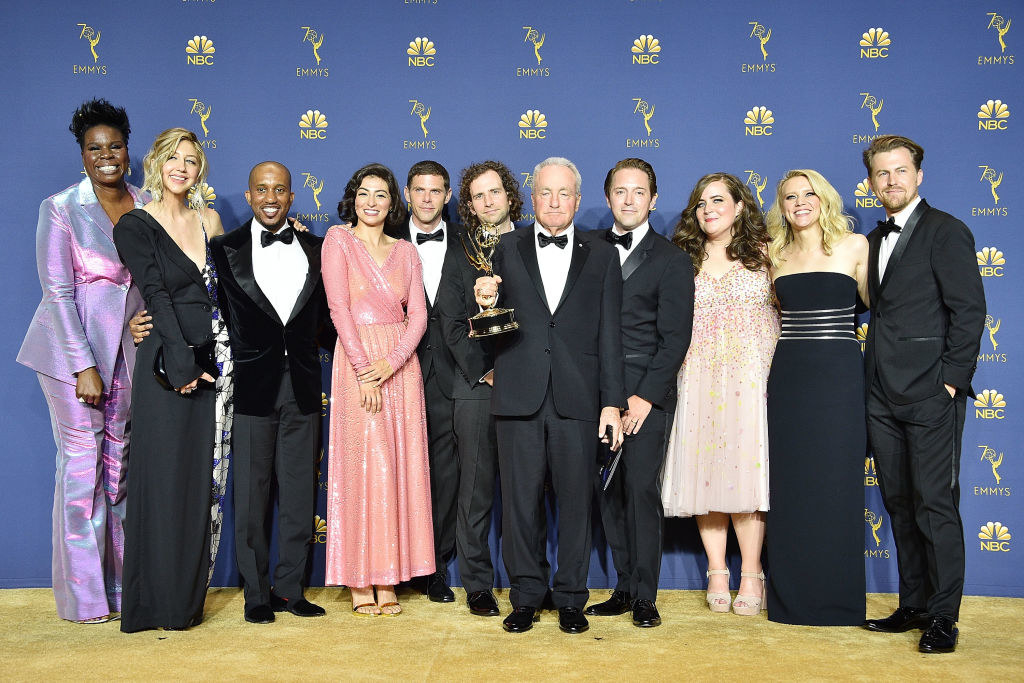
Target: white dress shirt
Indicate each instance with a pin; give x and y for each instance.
(280, 270)
(639, 233)
(431, 256)
(554, 264)
(888, 242)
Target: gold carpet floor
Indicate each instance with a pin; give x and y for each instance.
(432, 642)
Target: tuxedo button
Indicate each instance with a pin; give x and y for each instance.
(551, 324)
(430, 347)
(547, 350)
(433, 318)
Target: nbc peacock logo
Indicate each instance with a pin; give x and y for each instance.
(990, 405)
(874, 105)
(646, 50)
(758, 121)
(993, 115)
(874, 44)
(991, 262)
(313, 125)
(870, 473)
(199, 51)
(758, 182)
(865, 197)
(862, 335)
(203, 195)
(319, 529)
(533, 125)
(995, 537)
(421, 52)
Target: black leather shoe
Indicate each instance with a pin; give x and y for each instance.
(304, 608)
(645, 614)
(482, 603)
(438, 590)
(521, 620)
(618, 603)
(940, 636)
(903, 619)
(259, 614)
(278, 604)
(571, 620)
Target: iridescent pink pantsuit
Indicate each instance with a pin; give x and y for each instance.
(81, 323)
(378, 516)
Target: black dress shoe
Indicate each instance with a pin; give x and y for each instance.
(903, 619)
(940, 636)
(571, 620)
(278, 604)
(521, 620)
(304, 608)
(482, 603)
(645, 614)
(617, 604)
(438, 590)
(259, 614)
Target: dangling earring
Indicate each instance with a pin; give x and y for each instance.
(129, 172)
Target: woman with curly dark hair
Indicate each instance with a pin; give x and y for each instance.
(717, 463)
(79, 344)
(378, 506)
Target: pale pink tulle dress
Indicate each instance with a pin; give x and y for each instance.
(717, 458)
(379, 528)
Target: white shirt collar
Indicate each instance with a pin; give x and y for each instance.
(415, 230)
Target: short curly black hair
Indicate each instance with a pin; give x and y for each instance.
(98, 112)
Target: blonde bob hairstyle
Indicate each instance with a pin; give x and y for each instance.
(835, 225)
(162, 150)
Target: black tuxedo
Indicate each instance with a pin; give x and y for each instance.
(438, 370)
(927, 316)
(657, 319)
(551, 379)
(277, 412)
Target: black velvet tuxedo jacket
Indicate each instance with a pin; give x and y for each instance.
(657, 318)
(432, 351)
(927, 312)
(577, 348)
(259, 337)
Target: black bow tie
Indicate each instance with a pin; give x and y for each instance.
(436, 236)
(284, 236)
(624, 241)
(543, 240)
(888, 226)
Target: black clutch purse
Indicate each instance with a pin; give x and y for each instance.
(204, 359)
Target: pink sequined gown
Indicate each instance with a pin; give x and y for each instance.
(717, 457)
(379, 529)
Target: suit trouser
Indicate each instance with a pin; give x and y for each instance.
(527, 448)
(282, 444)
(631, 510)
(917, 457)
(478, 465)
(444, 470)
(88, 500)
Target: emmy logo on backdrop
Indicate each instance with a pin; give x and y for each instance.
(645, 109)
(763, 34)
(756, 181)
(423, 112)
(537, 38)
(992, 325)
(988, 173)
(479, 245)
(875, 522)
(314, 39)
(203, 111)
(994, 459)
(317, 186)
(874, 105)
(1001, 25)
(93, 36)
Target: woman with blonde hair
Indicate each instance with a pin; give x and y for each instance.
(181, 394)
(717, 463)
(816, 424)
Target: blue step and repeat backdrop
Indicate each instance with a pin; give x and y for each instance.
(753, 88)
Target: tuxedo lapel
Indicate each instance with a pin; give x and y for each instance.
(580, 252)
(87, 198)
(874, 245)
(638, 256)
(529, 255)
(312, 249)
(240, 261)
(901, 244)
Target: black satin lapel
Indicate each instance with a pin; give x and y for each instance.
(901, 244)
(638, 256)
(874, 245)
(240, 262)
(529, 255)
(312, 250)
(173, 251)
(580, 252)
